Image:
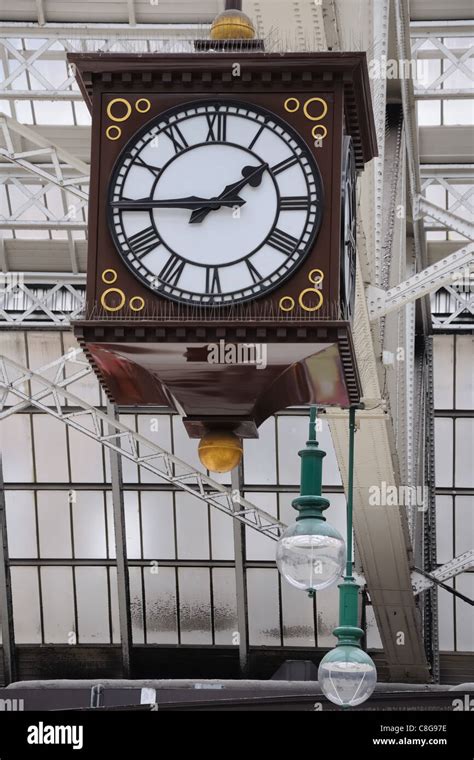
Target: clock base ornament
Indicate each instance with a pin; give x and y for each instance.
(220, 451)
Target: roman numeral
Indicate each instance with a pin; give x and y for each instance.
(145, 241)
(217, 127)
(284, 165)
(282, 241)
(254, 273)
(294, 203)
(156, 170)
(213, 283)
(257, 135)
(177, 138)
(172, 270)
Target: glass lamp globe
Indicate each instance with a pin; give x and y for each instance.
(311, 554)
(347, 675)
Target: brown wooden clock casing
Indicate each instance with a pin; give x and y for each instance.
(222, 215)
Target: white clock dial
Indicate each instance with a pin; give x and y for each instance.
(215, 202)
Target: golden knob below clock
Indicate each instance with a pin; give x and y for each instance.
(232, 25)
(220, 451)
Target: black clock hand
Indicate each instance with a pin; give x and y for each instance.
(192, 202)
(252, 175)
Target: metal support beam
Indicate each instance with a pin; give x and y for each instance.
(402, 28)
(44, 278)
(453, 305)
(123, 581)
(422, 581)
(446, 218)
(331, 24)
(431, 626)
(40, 12)
(454, 60)
(61, 378)
(59, 39)
(448, 171)
(44, 302)
(60, 158)
(132, 18)
(380, 19)
(455, 566)
(77, 31)
(381, 302)
(35, 224)
(429, 94)
(26, 191)
(240, 574)
(6, 603)
(445, 28)
(49, 95)
(54, 152)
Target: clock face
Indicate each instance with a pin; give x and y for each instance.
(348, 230)
(215, 202)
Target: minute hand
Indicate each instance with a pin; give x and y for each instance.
(192, 202)
(252, 176)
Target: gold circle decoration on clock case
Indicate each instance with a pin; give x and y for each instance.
(110, 114)
(137, 303)
(283, 303)
(321, 115)
(287, 105)
(315, 277)
(146, 105)
(109, 276)
(104, 303)
(113, 132)
(317, 133)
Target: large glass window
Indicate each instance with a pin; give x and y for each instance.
(180, 550)
(454, 448)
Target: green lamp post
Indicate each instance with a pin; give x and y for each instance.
(311, 553)
(311, 556)
(347, 675)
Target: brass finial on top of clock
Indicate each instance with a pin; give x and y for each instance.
(232, 25)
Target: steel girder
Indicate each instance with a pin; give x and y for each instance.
(452, 61)
(450, 569)
(78, 38)
(59, 158)
(35, 301)
(458, 308)
(381, 302)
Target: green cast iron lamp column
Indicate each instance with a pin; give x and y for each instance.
(347, 674)
(310, 553)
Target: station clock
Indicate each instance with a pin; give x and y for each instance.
(223, 211)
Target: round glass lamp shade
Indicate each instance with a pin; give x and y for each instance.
(311, 554)
(347, 675)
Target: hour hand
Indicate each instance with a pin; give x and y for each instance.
(191, 202)
(251, 175)
(200, 213)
